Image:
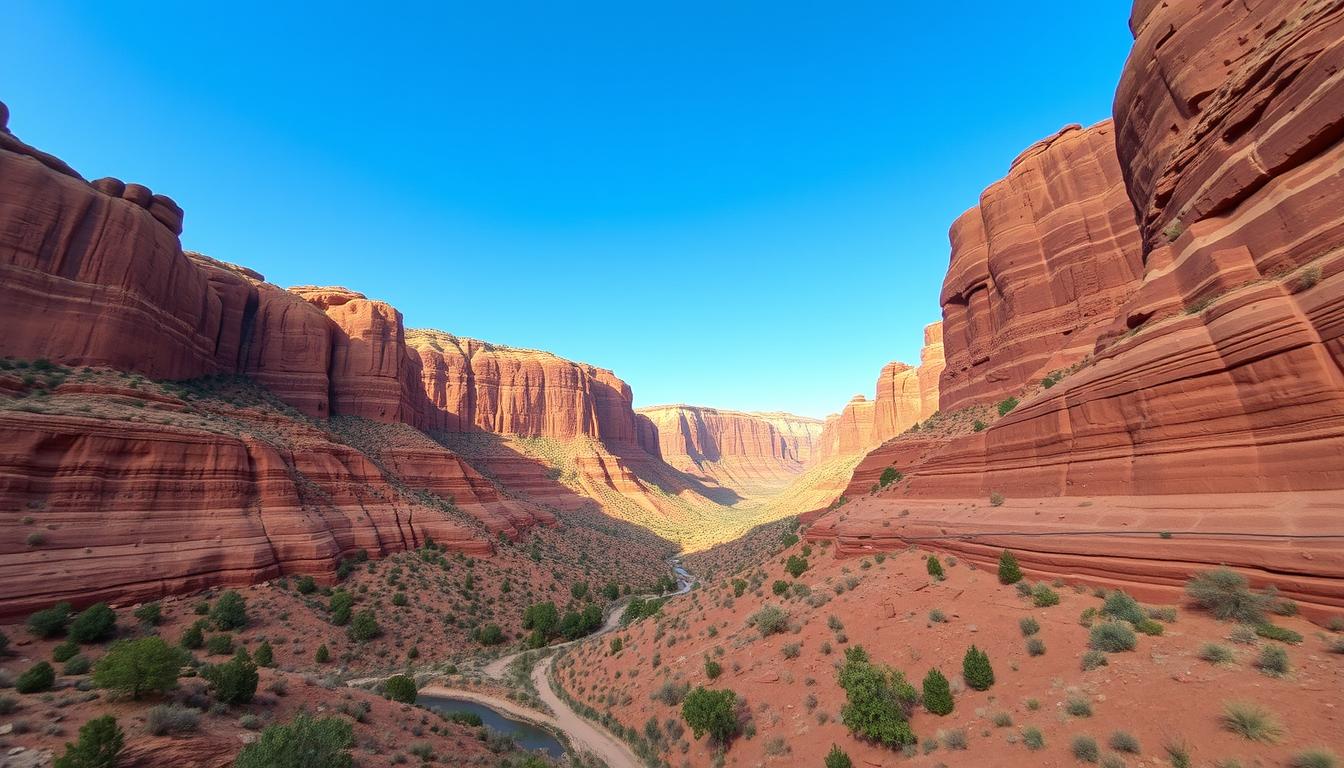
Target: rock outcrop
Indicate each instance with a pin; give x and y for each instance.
(1208, 427)
(1038, 268)
(905, 396)
(750, 453)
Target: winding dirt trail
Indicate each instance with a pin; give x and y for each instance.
(583, 735)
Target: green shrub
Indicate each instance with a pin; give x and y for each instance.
(465, 718)
(64, 651)
(796, 565)
(229, 611)
(837, 758)
(401, 688)
(1119, 605)
(976, 669)
(150, 614)
(1077, 706)
(77, 665)
(978, 426)
(323, 655)
(1112, 637)
(1215, 653)
(36, 679)
(99, 746)
(94, 624)
(1006, 405)
(1281, 634)
(1009, 571)
(1093, 659)
(995, 499)
(491, 634)
(303, 743)
(1225, 594)
(137, 667)
(4, 643)
(219, 645)
(168, 719)
(1029, 626)
(1033, 738)
(1273, 661)
(617, 644)
(937, 693)
(193, 637)
(234, 682)
(878, 700)
(1042, 596)
(1035, 646)
(400, 600)
(780, 587)
(264, 656)
(364, 627)
(342, 603)
(712, 712)
(1149, 627)
(935, 568)
(50, 622)
(306, 585)
(712, 668)
(770, 620)
(1250, 722)
(889, 475)
(1085, 749)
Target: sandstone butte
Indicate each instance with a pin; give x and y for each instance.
(904, 396)
(1203, 419)
(751, 453)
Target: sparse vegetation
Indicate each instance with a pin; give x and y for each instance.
(1112, 637)
(1009, 570)
(712, 712)
(1225, 593)
(878, 700)
(1250, 722)
(1085, 748)
(1273, 661)
(302, 743)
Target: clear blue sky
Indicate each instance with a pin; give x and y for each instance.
(741, 204)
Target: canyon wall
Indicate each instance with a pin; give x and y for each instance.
(1038, 268)
(748, 452)
(1208, 425)
(904, 396)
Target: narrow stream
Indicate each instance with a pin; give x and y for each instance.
(529, 736)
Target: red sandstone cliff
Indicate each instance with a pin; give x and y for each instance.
(1038, 268)
(1214, 404)
(748, 452)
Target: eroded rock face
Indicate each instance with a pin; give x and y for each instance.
(743, 451)
(1038, 269)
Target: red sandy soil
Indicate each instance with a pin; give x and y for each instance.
(1161, 693)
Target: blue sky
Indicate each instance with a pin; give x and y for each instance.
(742, 205)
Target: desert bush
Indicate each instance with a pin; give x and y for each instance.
(1112, 637)
(229, 611)
(1282, 634)
(1225, 593)
(1119, 605)
(219, 645)
(1033, 738)
(1250, 722)
(770, 620)
(193, 637)
(937, 616)
(137, 667)
(64, 651)
(36, 679)
(364, 627)
(1042, 596)
(1093, 659)
(1077, 706)
(671, 693)
(1006, 405)
(78, 664)
(401, 688)
(94, 624)
(889, 475)
(1215, 653)
(1029, 626)
(935, 568)
(302, 743)
(150, 614)
(234, 682)
(1035, 646)
(795, 566)
(1273, 661)
(1085, 748)
(1122, 741)
(51, 622)
(167, 719)
(1313, 758)
(838, 758)
(1009, 570)
(954, 738)
(792, 650)
(99, 746)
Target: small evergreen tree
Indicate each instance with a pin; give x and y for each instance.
(935, 568)
(150, 613)
(264, 656)
(976, 669)
(99, 745)
(229, 611)
(51, 622)
(401, 688)
(364, 627)
(837, 758)
(937, 693)
(193, 637)
(4, 643)
(136, 667)
(323, 655)
(796, 565)
(1009, 571)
